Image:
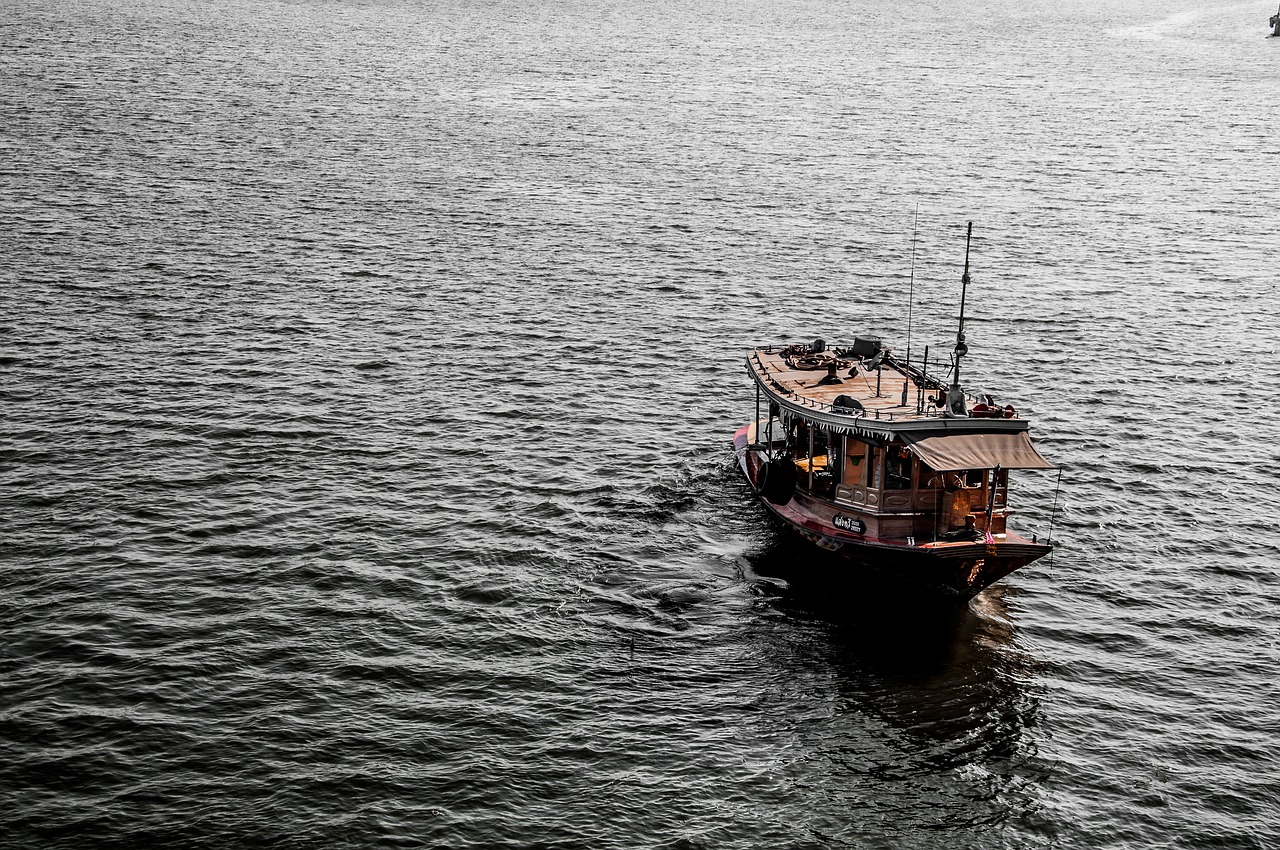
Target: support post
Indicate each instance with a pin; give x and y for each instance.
(810, 427)
(756, 429)
(991, 498)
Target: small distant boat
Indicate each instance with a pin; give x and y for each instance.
(879, 459)
(1274, 23)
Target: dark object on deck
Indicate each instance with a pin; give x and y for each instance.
(865, 346)
(831, 376)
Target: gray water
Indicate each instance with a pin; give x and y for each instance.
(368, 373)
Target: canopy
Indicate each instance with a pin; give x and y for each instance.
(952, 452)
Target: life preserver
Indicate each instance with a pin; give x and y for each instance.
(776, 480)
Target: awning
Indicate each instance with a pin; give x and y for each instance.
(952, 452)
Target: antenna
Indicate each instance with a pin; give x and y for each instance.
(911, 292)
(955, 395)
(911, 286)
(962, 349)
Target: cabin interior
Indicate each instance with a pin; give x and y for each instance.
(894, 491)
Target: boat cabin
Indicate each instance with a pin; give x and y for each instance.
(879, 447)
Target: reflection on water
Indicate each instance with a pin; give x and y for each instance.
(928, 645)
(930, 701)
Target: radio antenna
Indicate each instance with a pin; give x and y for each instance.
(911, 285)
(961, 349)
(911, 295)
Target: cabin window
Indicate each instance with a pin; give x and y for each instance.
(816, 455)
(898, 468)
(1000, 480)
(821, 441)
(874, 457)
(799, 439)
(855, 463)
(823, 461)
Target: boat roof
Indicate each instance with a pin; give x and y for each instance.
(868, 403)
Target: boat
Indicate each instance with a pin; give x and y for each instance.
(1274, 23)
(887, 461)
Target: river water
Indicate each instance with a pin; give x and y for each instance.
(368, 372)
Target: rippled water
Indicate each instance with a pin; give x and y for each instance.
(368, 371)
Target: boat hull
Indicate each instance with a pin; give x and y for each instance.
(960, 569)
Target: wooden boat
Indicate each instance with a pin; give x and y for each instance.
(871, 456)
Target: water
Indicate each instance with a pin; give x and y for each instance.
(368, 375)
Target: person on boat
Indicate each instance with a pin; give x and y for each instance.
(898, 466)
(956, 502)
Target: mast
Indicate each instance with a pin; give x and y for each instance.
(911, 291)
(955, 394)
(962, 349)
(911, 285)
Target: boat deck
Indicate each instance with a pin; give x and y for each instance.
(878, 391)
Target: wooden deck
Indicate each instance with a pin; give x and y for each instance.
(879, 391)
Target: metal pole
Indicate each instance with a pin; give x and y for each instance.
(911, 286)
(769, 430)
(1054, 513)
(756, 429)
(924, 371)
(961, 348)
(810, 426)
(991, 497)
